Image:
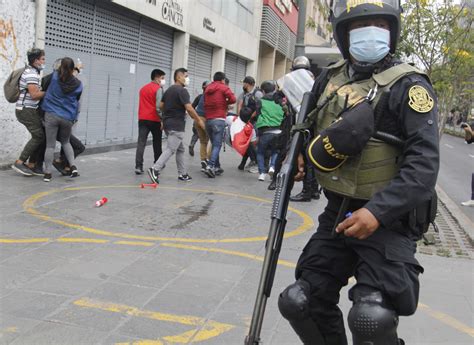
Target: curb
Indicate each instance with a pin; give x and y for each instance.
(463, 221)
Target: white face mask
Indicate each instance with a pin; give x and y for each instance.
(162, 82)
(41, 67)
(186, 81)
(369, 44)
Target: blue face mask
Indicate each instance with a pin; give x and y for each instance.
(369, 44)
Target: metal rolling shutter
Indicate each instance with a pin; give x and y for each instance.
(235, 69)
(111, 42)
(199, 66)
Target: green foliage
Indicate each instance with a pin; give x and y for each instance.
(439, 36)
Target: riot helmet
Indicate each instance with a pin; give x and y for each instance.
(300, 62)
(343, 12)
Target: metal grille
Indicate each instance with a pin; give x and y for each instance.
(283, 39)
(69, 25)
(156, 45)
(235, 69)
(116, 35)
(199, 65)
(270, 27)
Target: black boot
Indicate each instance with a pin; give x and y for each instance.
(303, 196)
(315, 195)
(272, 185)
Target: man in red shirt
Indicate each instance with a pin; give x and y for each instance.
(149, 118)
(218, 97)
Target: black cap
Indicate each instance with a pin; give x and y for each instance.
(249, 80)
(344, 138)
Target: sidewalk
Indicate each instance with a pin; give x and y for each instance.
(176, 264)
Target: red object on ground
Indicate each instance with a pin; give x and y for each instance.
(151, 185)
(100, 202)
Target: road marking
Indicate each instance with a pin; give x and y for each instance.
(80, 240)
(136, 243)
(30, 204)
(205, 329)
(451, 147)
(446, 319)
(24, 240)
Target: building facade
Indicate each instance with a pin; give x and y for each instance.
(277, 38)
(120, 42)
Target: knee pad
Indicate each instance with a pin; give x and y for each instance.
(294, 301)
(371, 321)
(294, 306)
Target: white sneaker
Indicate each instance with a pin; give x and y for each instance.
(468, 203)
(271, 171)
(261, 177)
(253, 170)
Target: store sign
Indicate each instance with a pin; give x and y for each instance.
(207, 24)
(285, 6)
(172, 12)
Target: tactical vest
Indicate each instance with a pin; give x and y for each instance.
(361, 176)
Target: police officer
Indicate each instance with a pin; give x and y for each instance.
(369, 226)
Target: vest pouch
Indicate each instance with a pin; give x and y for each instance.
(361, 176)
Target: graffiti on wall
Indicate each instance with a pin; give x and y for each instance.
(8, 45)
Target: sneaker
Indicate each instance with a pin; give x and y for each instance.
(261, 177)
(60, 167)
(22, 169)
(184, 177)
(191, 151)
(37, 171)
(468, 203)
(47, 178)
(74, 172)
(271, 171)
(210, 172)
(253, 170)
(138, 171)
(219, 171)
(204, 164)
(154, 174)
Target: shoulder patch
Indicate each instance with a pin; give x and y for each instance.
(419, 99)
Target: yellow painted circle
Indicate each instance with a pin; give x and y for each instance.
(30, 204)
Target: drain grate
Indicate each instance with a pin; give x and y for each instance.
(450, 241)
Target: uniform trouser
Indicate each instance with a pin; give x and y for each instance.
(203, 141)
(57, 127)
(310, 183)
(174, 146)
(385, 261)
(144, 128)
(30, 118)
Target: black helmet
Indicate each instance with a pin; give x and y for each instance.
(344, 12)
(300, 62)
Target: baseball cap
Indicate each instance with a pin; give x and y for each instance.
(345, 137)
(249, 80)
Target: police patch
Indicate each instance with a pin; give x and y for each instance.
(419, 99)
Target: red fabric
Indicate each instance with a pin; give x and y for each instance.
(147, 103)
(241, 136)
(217, 98)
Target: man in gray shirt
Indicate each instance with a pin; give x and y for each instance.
(174, 104)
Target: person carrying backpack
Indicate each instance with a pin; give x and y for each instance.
(26, 109)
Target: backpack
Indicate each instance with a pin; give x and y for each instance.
(200, 106)
(11, 88)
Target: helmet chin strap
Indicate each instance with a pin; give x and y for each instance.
(363, 70)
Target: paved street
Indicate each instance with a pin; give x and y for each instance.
(174, 265)
(457, 165)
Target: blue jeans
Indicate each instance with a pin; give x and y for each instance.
(266, 142)
(215, 131)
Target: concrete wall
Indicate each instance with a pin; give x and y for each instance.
(17, 35)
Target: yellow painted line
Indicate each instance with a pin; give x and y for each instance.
(80, 240)
(225, 251)
(205, 329)
(30, 204)
(24, 240)
(446, 319)
(136, 243)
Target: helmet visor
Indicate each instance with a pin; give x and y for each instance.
(340, 7)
